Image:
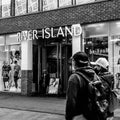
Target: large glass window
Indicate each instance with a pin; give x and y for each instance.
(114, 50)
(20, 7)
(63, 3)
(10, 51)
(6, 6)
(49, 4)
(96, 47)
(32, 6)
(96, 41)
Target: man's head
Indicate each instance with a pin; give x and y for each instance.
(80, 59)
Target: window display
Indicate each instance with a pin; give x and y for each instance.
(10, 62)
(96, 47)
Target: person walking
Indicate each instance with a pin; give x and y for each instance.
(77, 92)
(101, 68)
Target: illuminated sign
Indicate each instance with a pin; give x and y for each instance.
(47, 33)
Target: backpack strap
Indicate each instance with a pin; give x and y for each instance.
(81, 74)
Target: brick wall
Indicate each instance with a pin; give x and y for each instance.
(83, 14)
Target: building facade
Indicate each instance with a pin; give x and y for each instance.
(39, 35)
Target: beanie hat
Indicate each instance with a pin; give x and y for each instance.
(80, 58)
(102, 62)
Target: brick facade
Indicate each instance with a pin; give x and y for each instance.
(83, 14)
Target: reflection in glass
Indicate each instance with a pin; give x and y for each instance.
(6, 6)
(49, 4)
(20, 7)
(32, 6)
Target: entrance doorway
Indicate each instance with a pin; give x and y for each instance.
(53, 57)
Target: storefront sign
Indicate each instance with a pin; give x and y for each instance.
(47, 33)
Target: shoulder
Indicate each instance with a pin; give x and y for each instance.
(75, 79)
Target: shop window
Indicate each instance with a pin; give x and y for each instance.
(8, 55)
(96, 41)
(96, 47)
(49, 4)
(32, 6)
(20, 7)
(10, 51)
(63, 3)
(6, 8)
(115, 49)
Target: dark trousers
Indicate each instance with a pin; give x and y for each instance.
(16, 80)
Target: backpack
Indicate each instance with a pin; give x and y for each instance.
(114, 96)
(98, 103)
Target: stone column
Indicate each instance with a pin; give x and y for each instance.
(76, 39)
(26, 67)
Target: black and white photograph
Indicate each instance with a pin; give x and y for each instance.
(59, 59)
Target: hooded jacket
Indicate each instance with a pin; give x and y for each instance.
(77, 94)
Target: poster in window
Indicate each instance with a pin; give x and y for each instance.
(20, 7)
(32, 6)
(49, 4)
(84, 1)
(6, 8)
(63, 3)
(53, 86)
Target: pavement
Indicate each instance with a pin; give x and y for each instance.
(36, 105)
(52, 105)
(6, 114)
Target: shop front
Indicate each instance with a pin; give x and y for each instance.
(46, 58)
(44, 55)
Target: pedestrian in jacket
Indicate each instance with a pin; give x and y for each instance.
(77, 91)
(101, 68)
